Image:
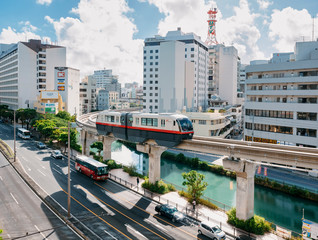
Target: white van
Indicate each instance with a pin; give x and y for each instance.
(211, 230)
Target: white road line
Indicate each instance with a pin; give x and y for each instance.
(110, 234)
(57, 165)
(158, 226)
(38, 158)
(9, 236)
(128, 226)
(41, 172)
(57, 171)
(43, 167)
(14, 198)
(40, 231)
(1, 178)
(28, 168)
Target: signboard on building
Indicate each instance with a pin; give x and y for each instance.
(61, 88)
(49, 95)
(60, 78)
(50, 107)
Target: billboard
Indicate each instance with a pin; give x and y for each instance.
(49, 95)
(50, 107)
(61, 88)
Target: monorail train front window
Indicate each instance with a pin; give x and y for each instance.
(185, 124)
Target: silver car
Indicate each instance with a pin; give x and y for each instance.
(211, 230)
(56, 154)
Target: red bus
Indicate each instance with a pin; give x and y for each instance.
(92, 168)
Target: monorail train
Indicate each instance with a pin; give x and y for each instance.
(166, 129)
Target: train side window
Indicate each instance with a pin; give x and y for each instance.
(137, 121)
(112, 118)
(117, 119)
(143, 121)
(130, 119)
(163, 123)
(155, 122)
(174, 123)
(149, 121)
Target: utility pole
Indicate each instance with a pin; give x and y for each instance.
(14, 137)
(69, 173)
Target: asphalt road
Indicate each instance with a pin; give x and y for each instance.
(102, 210)
(23, 214)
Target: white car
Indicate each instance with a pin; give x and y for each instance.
(56, 154)
(211, 230)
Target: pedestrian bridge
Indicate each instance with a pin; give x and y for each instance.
(243, 157)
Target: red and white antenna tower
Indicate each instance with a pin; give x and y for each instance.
(211, 39)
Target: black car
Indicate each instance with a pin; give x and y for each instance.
(170, 212)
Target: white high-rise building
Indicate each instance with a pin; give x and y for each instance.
(175, 73)
(281, 103)
(26, 68)
(88, 95)
(67, 84)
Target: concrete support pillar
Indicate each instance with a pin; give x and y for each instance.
(107, 147)
(245, 172)
(84, 142)
(154, 152)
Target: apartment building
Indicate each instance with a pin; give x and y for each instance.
(175, 72)
(88, 95)
(281, 98)
(106, 80)
(26, 68)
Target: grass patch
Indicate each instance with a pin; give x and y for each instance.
(256, 224)
(132, 171)
(159, 187)
(201, 201)
(6, 149)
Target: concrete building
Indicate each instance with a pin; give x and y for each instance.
(26, 68)
(67, 84)
(88, 95)
(106, 80)
(49, 102)
(175, 72)
(102, 99)
(223, 72)
(281, 98)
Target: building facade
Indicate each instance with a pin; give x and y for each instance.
(49, 102)
(88, 95)
(67, 84)
(281, 98)
(26, 68)
(175, 72)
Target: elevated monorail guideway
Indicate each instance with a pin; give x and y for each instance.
(247, 156)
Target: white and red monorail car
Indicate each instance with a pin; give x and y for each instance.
(165, 128)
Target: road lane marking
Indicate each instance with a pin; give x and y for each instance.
(134, 230)
(110, 234)
(14, 198)
(43, 167)
(96, 214)
(40, 231)
(41, 172)
(157, 226)
(28, 168)
(1, 178)
(161, 219)
(122, 213)
(57, 171)
(57, 165)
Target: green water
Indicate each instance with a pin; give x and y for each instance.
(274, 206)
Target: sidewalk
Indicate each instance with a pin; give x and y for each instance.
(173, 198)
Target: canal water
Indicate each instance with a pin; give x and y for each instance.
(277, 207)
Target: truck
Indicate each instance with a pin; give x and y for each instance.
(309, 229)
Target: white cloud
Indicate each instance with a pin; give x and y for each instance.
(10, 35)
(101, 37)
(191, 16)
(264, 4)
(28, 26)
(288, 26)
(44, 2)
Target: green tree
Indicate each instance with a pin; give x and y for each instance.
(45, 127)
(64, 115)
(20, 114)
(30, 114)
(98, 146)
(63, 138)
(195, 184)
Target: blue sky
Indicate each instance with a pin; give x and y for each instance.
(109, 33)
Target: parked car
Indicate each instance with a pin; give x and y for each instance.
(170, 212)
(211, 230)
(41, 145)
(56, 154)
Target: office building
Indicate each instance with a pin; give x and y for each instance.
(67, 84)
(175, 73)
(88, 95)
(26, 68)
(281, 98)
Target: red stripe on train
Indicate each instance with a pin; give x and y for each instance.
(145, 129)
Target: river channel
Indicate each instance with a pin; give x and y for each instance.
(277, 207)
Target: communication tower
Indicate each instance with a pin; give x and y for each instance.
(211, 39)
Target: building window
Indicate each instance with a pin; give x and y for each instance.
(202, 122)
(151, 63)
(151, 57)
(156, 69)
(156, 51)
(151, 75)
(156, 57)
(156, 75)
(156, 63)
(192, 49)
(145, 57)
(150, 69)
(151, 51)
(145, 51)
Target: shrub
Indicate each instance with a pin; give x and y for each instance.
(256, 224)
(98, 158)
(112, 164)
(159, 187)
(201, 201)
(132, 171)
(181, 158)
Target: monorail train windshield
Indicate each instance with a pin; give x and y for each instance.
(185, 124)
